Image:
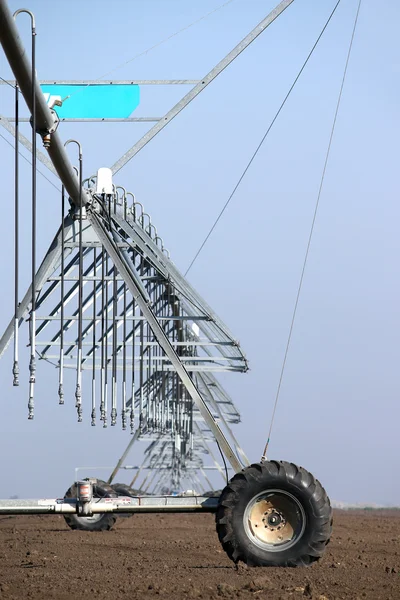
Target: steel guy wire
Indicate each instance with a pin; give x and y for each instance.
(262, 141)
(29, 162)
(144, 52)
(224, 461)
(264, 456)
(8, 83)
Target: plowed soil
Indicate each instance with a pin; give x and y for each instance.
(179, 556)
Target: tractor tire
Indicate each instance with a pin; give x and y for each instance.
(212, 494)
(97, 522)
(122, 489)
(274, 514)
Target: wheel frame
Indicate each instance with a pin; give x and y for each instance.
(96, 522)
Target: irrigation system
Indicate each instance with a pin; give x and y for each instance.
(135, 343)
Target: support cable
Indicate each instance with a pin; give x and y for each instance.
(144, 52)
(8, 83)
(224, 461)
(262, 141)
(29, 162)
(264, 456)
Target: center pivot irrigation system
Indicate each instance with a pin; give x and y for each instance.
(124, 328)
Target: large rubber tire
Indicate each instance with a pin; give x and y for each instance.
(98, 522)
(121, 489)
(212, 494)
(274, 514)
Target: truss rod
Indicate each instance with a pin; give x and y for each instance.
(143, 302)
(182, 285)
(110, 82)
(201, 85)
(56, 281)
(67, 297)
(47, 267)
(123, 457)
(97, 120)
(4, 122)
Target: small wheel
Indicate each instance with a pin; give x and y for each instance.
(274, 514)
(99, 521)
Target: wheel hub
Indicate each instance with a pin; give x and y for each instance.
(274, 520)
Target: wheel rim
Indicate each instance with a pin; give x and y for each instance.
(274, 520)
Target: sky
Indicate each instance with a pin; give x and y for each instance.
(338, 412)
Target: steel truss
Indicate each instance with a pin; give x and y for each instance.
(120, 327)
(130, 310)
(110, 303)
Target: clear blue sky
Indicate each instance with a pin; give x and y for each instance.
(339, 409)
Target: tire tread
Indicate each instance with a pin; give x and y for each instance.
(255, 475)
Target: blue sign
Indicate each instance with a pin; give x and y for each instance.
(94, 101)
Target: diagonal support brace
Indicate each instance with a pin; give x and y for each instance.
(163, 340)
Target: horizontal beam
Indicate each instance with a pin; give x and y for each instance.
(143, 504)
(110, 82)
(70, 363)
(145, 359)
(98, 120)
(145, 344)
(135, 318)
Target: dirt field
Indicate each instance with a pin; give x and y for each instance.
(172, 556)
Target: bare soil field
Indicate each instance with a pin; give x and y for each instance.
(179, 556)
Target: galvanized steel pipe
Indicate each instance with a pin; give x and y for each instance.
(21, 67)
